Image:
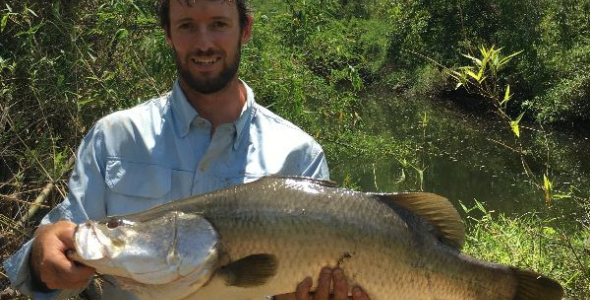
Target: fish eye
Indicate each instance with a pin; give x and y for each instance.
(114, 223)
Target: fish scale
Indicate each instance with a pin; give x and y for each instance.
(270, 234)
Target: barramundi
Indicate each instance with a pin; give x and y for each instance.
(263, 238)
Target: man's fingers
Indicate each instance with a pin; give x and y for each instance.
(65, 274)
(48, 257)
(340, 285)
(323, 290)
(303, 289)
(66, 234)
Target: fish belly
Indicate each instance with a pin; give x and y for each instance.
(388, 263)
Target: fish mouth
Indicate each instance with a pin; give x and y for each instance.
(89, 242)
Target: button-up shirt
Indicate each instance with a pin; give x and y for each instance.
(162, 150)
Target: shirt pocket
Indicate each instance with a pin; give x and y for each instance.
(135, 187)
(141, 180)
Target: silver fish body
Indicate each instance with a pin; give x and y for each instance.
(264, 237)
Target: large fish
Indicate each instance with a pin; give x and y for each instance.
(264, 237)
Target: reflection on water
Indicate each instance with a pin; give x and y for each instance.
(466, 158)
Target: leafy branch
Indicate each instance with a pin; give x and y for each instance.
(482, 78)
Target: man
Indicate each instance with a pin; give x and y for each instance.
(207, 134)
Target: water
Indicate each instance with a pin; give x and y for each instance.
(468, 158)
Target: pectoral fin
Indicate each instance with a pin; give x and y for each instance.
(253, 270)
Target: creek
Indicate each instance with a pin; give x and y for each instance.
(466, 158)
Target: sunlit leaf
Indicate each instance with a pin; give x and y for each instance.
(514, 125)
(546, 183)
(3, 22)
(475, 76)
(547, 187)
(515, 128)
(484, 51)
(507, 95)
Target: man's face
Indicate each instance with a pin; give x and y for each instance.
(206, 38)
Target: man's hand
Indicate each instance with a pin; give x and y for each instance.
(322, 292)
(49, 262)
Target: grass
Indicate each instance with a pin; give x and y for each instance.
(531, 242)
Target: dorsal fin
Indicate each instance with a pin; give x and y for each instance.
(435, 209)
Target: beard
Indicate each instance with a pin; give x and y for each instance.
(208, 85)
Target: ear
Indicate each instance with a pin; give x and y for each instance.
(247, 30)
(167, 34)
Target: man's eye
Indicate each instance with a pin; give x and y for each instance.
(185, 26)
(220, 25)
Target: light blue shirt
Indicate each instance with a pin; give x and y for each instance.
(161, 151)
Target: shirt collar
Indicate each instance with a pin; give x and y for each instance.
(246, 116)
(185, 114)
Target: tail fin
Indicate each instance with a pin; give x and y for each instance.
(533, 286)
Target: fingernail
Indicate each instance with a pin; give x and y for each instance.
(305, 284)
(307, 281)
(357, 292)
(326, 271)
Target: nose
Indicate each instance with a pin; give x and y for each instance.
(202, 40)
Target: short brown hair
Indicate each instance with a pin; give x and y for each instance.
(163, 10)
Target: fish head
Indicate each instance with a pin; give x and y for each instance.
(154, 250)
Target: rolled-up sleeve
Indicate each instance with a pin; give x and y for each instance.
(85, 199)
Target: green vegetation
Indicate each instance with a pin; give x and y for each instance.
(65, 64)
(532, 243)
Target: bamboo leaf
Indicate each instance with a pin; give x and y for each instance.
(475, 76)
(515, 129)
(514, 125)
(484, 51)
(480, 75)
(507, 96)
(506, 59)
